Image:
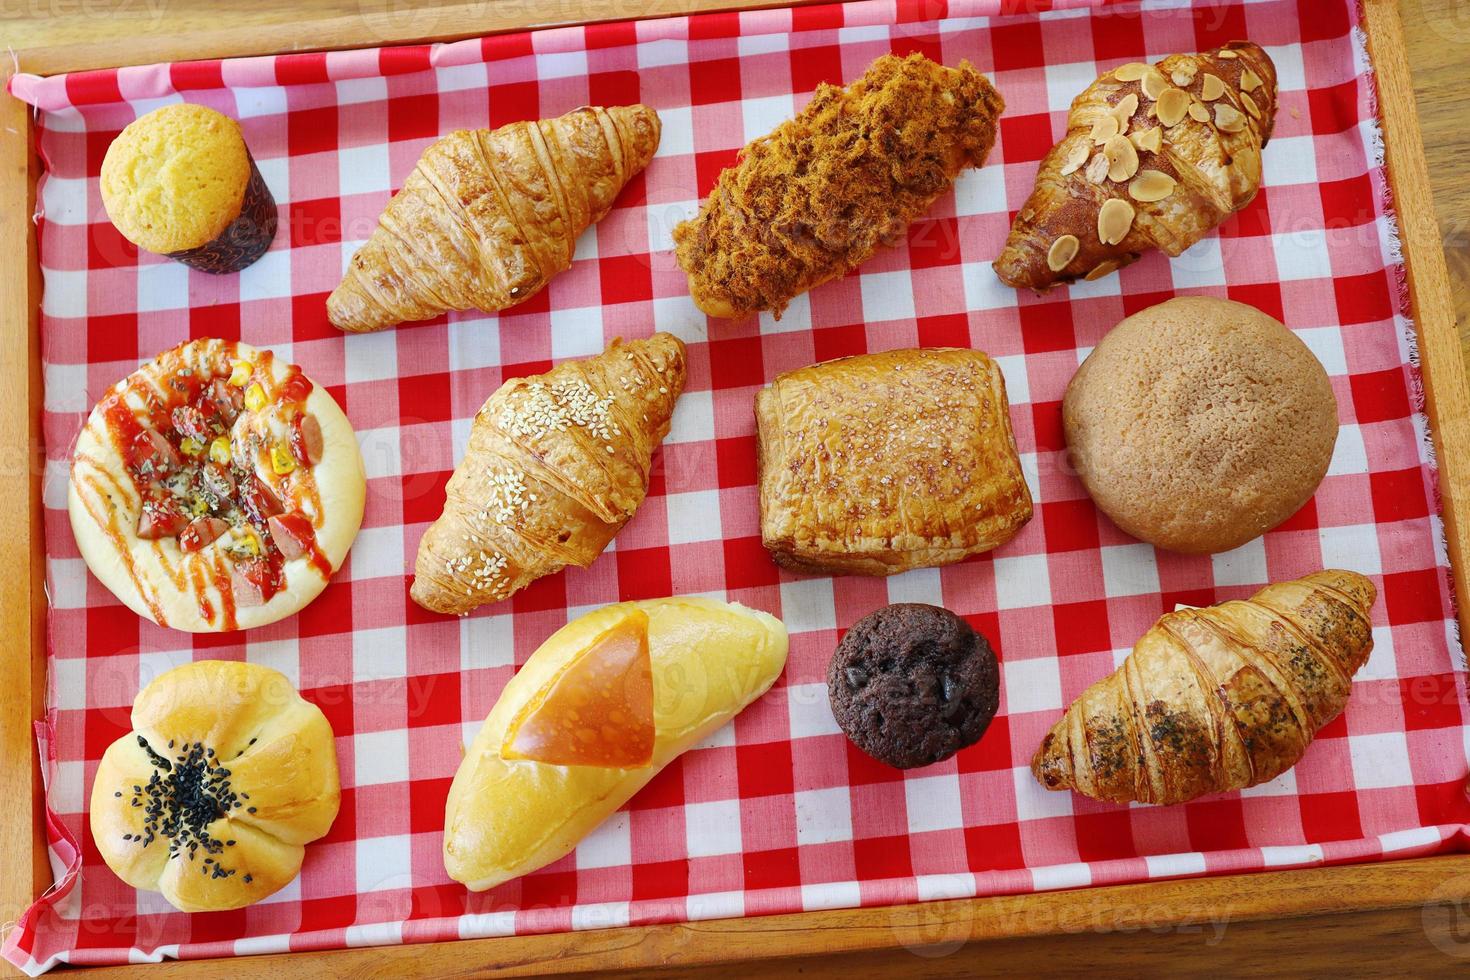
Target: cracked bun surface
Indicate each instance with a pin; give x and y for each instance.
(1200, 423)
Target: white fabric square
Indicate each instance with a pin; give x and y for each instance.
(1066, 81)
(694, 418)
(382, 454)
(1289, 160)
(1245, 565)
(1349, 455)
(807, 604)
(1352, 546)
(1018, 383)
(933, 803)
(461, 78)
(1130, 569)
(662, 53)
(1022, 581)
(486, 641)
(1380, 760)
(384, 863)
(1032, 685)
(603, 915)
(1057, 876)
(810, 711)
(1200, 265)
(712, 828)
(474, 342)
(378, 553)
(797, 317)
(282, 655)
(561, 64)
(1302, 254)
(694, 516)
(370, 356)
(823, 815)
(830, 895)
(1325, 343)
(380, 757)
(760, 116)
(268, 100)
(374, 934)
(268, 277)
(379, 654)
(916, 585)
(1174, 865)
(65, 388)
(676, 137)
(576, 333)
(887, 296)
(363, 169)
(1292, 855)
(609, 846)
(162, 285)
(983, 290)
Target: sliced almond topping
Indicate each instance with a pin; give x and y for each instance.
(1097, 169)
(1062, 251)
(1198, 112)
(1076, 157)
(1125, 109)
(1151, 139)
(1249, 81)
(1154, 85)
(1250, 105)
(1211, 88)
(1101, 269)
(1131, 72)
(1227, 54)
(1114, 219)
(1122, 158)
(1183, 77)
(1228, 118)
(1104, 129)
(1173, 104)
(1150, 186)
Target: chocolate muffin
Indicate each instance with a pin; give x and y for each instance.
(912, 684)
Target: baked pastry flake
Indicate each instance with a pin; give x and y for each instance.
(875, 464)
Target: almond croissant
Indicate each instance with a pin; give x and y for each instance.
(489, 216)
(556, 465)
(1154, 157)
(1217, 699)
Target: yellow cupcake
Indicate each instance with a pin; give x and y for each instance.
(180, 182)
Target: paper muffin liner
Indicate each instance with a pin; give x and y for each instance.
(245, 239)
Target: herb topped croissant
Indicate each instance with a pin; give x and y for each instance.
(1154, 157)
(1217, 699)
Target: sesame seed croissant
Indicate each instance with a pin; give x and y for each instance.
(557, 463)
(1216, 699)
(1154, 157)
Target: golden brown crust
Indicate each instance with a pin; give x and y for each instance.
(1200, 424)
(1209, 160)
(820, 194)
(489, 216)
(879, 463)
(556, 465)
(1216, 699)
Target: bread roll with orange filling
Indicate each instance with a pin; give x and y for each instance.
(603, 705)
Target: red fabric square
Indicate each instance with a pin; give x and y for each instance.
(1070, 524)
(877, 858)
(644, 573)
(1026, 137)
(812, 66)
(714, 81)
(765, 768)
(312, 130)
(1399, 496)
(1431, 701)
(830, 343)
(993, 848)
(1379, 395)
(433, 698)
(625, 278)
(748, 565)
(514, 101)
(950, 330)
(1330, 816)
(1412, 597)
(426, 801)
(1348, 202)
(315, 222)
(1082, 627)
(412, 117)
(736, 363)
(1016, 44)
(1363, 299)
(780, 868)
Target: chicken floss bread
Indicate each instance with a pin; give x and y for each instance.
(180, 182)
(1218, 699)
(215, 488)
(604, 704)
(875, 464)
(818, 195)
(213, 796)
(1200, 423)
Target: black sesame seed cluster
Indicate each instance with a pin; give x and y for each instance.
(182, 798)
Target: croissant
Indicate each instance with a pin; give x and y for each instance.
(489, 216)
(819, 194)
(1154, 157)
(1217, 699)
(556, 465)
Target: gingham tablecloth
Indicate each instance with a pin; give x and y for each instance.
(776, 812)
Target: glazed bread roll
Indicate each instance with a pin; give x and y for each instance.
(657, 675)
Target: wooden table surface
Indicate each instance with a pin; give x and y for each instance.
(53, 34)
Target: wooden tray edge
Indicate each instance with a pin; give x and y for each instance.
(1267, 895)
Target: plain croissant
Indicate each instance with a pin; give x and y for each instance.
(1217, 699)
(556, 465)
(489, 216)
(1154, 157)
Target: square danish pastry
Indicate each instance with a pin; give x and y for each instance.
(875, 464)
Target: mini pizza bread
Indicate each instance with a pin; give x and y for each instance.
(215, 488)
(600, 707)
(876, 464)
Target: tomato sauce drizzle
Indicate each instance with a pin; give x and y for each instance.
(152, 448)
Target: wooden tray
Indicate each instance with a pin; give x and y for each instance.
(1388, 915)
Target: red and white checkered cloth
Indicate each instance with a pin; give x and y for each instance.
(777, 812)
